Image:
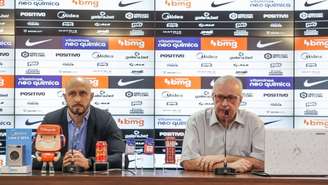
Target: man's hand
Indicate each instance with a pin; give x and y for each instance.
(80, 160)
(68, 158)
(207, 163)
(77, 158)
(241, 165)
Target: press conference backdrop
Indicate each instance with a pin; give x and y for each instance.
(153, 63)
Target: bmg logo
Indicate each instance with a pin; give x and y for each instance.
(2, 82)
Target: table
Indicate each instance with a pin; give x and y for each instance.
(150, 177)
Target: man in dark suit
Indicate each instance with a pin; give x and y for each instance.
(83, 125)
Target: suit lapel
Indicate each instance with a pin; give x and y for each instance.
(64, 125)
(90, 132)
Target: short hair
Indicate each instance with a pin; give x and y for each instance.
(223, 79)
(78, 80)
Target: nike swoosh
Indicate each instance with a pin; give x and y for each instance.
(212, 83)
(127, 4)
(310, 84)
(28, 43)
(27, 122)
(270, 122)
(220, 4)
(122, 84)
(260, 45)
(306, 4)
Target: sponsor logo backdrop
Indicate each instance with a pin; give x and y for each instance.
(154, 64)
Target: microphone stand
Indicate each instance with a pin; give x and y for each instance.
(71, 168)
(225, 170)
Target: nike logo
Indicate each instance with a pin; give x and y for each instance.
(122, 84)
(269, 122)
(214, 5)
(306, 4)
(212, 83)
(261, 45)
(310, 84)
(127, 4)
(28, 43)
(28, 123)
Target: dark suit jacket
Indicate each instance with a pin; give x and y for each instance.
(100, 127)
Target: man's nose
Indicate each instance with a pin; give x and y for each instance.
(77, 98)
(224, 101)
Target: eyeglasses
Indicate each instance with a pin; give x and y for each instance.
(229, 98)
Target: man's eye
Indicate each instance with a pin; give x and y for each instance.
(83, 93)
(232, 97)
(71, 93)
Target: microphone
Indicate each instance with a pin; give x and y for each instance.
(71, 168)
(225, 170)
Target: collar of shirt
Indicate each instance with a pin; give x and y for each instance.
(214, 120)
(80, 132)
(85, 118)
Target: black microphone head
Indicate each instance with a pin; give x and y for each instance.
(226, 112)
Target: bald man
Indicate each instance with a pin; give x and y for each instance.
(83, 125)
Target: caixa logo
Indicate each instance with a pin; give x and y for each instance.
(5, 123)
